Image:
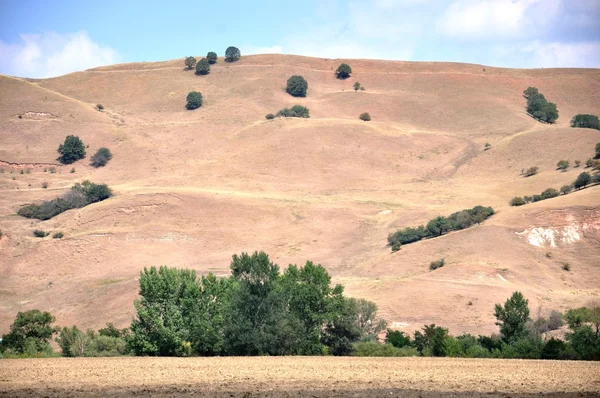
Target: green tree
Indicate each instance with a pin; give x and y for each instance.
(190, 62)
(343, 71)
(73, 342)
(431, 342)
(194, 100)
(211, 57)
(582, 180)
(550, 193)
(92, 192)
(30, 329)
(398, 339)
(203, 67)
(101, 157)
(562, 165)
(365, 117)
(232, 54)
(535, 103)
(586, 121)
(342, 329)
(517, 201)
(297, 86)
(71, 150)
(367, 320)
(438, 226)
(550, 112)
(529, 91)
(356, 86)
(512, 317)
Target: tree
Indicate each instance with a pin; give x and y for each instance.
(586, 121)
(550, 193)
(535, 103)
(232, 54)
(597, 151)
(295, 111)
(297, 86)
(565, 189)
(365, 117)
(92, 192)
(30, 329)
(517, 201)
(101, 157)
(562, 165)
(367, 320)
(270, 116)
(550, 112)
(438, 226)
(342, 329)
(512, 318)
(529, 91)
(343, 71)
(194, 100)
(73, 342)
(356, 86)
(190, 62)
(397, 338)
(71, 150)
(203, 67)
(431, 342)
(582, 180)
(211, 57)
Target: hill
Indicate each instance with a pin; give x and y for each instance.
(194, 187)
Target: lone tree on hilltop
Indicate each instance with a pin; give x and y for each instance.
(203, 67)
(194, 100)
(297, 86)
(343, 71)
(512, 317)
(71, 150)
(211, 57)
(232, 54)
(190, 62)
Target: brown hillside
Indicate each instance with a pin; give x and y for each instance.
(194, 187)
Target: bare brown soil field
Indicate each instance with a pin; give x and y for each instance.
(194, 187)
(297, 376)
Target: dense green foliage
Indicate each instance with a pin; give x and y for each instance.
(517, 201)
(194, 100)
(38, 233)
(190, 62)
(71, 150)
(297, 86)
(437, 264)
(203, 67)
(80, 195)
(441, 225)
(294, 111)
(343, 71)
(232, 54)
(270, 116)
(586, 121)
(356, 86)
(256, 311)
(365, 117)
(30, 332)
(101, 157)
(512, 317)
(539, 107)
(562, 165)
(582, 180)
(211, 57)
(373, 349)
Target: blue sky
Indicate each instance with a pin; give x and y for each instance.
(50, 38)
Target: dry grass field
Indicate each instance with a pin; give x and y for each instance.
(194, 187)
(297, 376)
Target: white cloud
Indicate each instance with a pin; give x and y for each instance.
(477, 19)
(53, 54)
(276, 49)
(557, 55)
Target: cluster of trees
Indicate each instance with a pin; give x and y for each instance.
(439, 226)
(582, 181)
(294, 111)
(80, 195)
(586, 121)
(73, 149)
(539, 107)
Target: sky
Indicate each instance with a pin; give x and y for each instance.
(52, 38)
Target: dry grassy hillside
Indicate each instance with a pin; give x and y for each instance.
(194, 187)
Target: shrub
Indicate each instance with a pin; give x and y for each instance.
(100, 107)
(566, 266)
(487, 146)
(577, 163)
(232, 54)
(531, 171)
(71, 150)
(211, 57)
(202, 67)
(589, 162)
(270, 116)
(52, 170)
(1, 234)
(356, 86)
(586, 121)
(295, 111)
(373, 349)
(93, 192)
(437, 264)
(194, 100)
(38, 233)
(72, 170)
(58, 235)
(365, 117)
(396, 246)
(562, 165)
(529, 91)
(597, 151)
(565, 189)
(44, 185)
(101, 157)
(549, 193)
(190, 62)
(582, 180)
(343, 71)
(296, 86)
(517, 201)
(406, 235)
